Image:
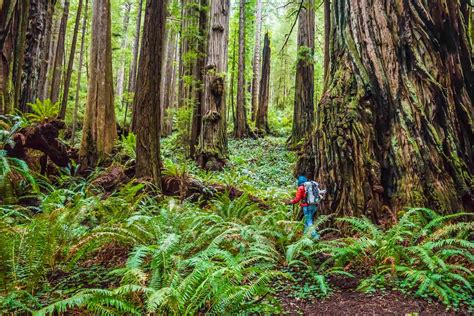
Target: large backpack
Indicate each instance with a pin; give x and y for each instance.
(312, 192)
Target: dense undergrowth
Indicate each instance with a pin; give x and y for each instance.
(134, 252)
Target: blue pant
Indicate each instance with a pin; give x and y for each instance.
(309, 212)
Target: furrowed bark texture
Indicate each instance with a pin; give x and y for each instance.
(394, 127)
(212, 151)
(147, 98)
(48, 48)
(20, 45)
(99, 129)
(8, 15)
(303, 114)
(33, 53)
(264, 93)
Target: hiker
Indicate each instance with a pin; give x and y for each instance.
(308, 195)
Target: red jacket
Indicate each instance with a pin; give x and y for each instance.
(300, 195)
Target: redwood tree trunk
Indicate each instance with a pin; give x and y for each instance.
(211, 154)
(256, 61)
(327, 39)
(264, 93)
(132, 77)
(59, 56)
(394, 127)
(79, 73)
(304, 85)
(33, 53)
(241, 128)
(147, 97)
(193, 91)
(99, 130)
(167, 83)
(70, 65)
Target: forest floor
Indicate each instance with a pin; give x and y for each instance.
(265, 168)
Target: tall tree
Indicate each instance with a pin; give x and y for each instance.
(212, 150)
(34, 54)
(241, 128)
(256, 61)
(99, 130)
(264, 93)
(147, 98)
(394, 127)
(168, 82)
(193, 92)
(132, 77)
(79, 73)
(70, 65)
(8, 14)
(304, 84)
(59, 56)
(127, 6)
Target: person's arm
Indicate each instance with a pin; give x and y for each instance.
(299, 195)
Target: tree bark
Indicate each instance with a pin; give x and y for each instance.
(132, 77)
(212, 151)
(241, 128)
(123, 45)
(59, 56)
(327, 38)
(304, 84)
(194, 91)
(34, 54)
(20, 44)
(167, 83)
(264, 93)
(395, 127)
(256, 61)
(67, 80)
(99, 130)
(79, 73)
(147, 97)
(8, 15)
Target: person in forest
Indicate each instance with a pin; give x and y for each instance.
(308, 196)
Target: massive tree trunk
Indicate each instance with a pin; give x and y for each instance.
(304, 85)
(79, 73)
(99, 131)
(59, 56)
(394, 127)
(70, 65)
(264, 93)
(123, 45)
(132, 77)
(194, 91)
(34, 54)
(147, 98)
(241, 128)
(256, 61)
(212, 150)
